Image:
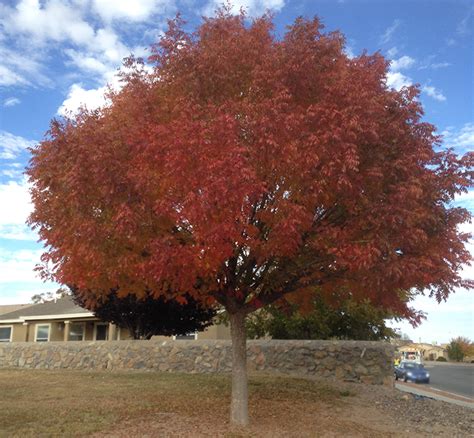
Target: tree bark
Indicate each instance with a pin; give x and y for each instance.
(239, 414)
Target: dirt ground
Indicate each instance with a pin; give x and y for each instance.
(119, 404)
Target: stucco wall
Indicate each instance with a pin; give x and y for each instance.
(19, 332)
(368, 362)
(219, 331)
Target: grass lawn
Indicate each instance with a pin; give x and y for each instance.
(126, 404)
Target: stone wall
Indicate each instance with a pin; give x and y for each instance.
(368, 362)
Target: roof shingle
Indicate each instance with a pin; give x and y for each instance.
(62, 306)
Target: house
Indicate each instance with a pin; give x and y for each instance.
(63, 320)
(428, 351)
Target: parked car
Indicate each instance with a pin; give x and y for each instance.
(412, 371)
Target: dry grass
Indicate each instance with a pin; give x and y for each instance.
(127, 404)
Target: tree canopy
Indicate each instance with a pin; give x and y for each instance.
(348, 320)
(242, 168)
(44, 297)
(148, 316)
(455, 351)
(459, 348)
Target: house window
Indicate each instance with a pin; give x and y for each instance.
(6, 334)
(76, 331)
(100, 332)
(42, 333)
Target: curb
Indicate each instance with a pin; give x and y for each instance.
(436, 394)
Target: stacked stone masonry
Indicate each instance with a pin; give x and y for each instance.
(367, 362)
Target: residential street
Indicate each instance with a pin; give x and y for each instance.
(454, 378)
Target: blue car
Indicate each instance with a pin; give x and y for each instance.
(414, 372)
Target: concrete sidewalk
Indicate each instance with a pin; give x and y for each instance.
(437, 394)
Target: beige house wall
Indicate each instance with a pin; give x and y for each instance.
(219, 331)
(57, 329)
(125, 334)
(89, 331)
(161, 338)
(19, 332)
(26, 332)
(433, 354)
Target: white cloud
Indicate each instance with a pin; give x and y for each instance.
(13, 171)
(462, 140)
(392, 52)
(92, 98)
(437, 65)
(21, 68)
(12, 145)
(15, 198)
(434, 65)
(86, 61)
(18, 265)
(107, 43)
(466, 200)
(8, 77)
(252, 7)
(398, 80)
(38, 27)
(388, 34)
(349, 52)
(126, 10)
(11, 101)
(434, 93)
(403, 63)
(80, 97)
(464, 27)
(64, 21)
(52, 20)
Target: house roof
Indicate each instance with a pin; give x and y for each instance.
(64, 306)
(425, 347)
(8, 308)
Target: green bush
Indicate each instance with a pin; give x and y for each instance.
(441, 359)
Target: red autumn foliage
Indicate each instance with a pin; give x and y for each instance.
(243, 168)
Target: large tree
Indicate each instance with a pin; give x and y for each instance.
(245, 167)
(147, 316)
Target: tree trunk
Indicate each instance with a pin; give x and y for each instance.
(239, 415)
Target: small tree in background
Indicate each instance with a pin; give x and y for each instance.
(45, 297)
(349, 320)
(466, 345)
(245, 168)
(455, 351)
(148, 316)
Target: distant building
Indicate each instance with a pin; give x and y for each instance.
(63, 320)
(428, 351)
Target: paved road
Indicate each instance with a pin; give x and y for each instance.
(454, 378)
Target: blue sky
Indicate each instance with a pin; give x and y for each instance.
(57, 54)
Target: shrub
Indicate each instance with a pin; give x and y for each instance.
(441, 359)
(455, 351)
